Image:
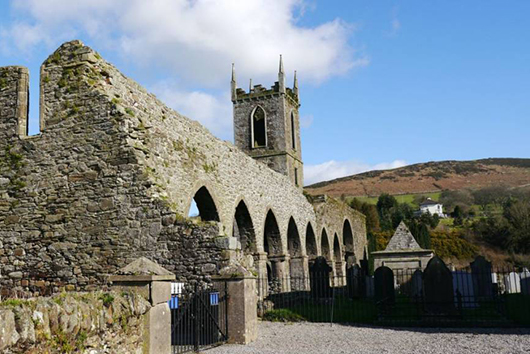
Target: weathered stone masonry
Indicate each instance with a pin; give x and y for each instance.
(112, 174)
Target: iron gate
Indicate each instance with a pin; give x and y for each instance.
(199, 318)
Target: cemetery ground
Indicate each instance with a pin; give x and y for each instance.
(305, 337)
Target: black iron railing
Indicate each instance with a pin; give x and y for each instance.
(401, 298)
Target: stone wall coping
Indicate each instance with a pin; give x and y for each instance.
(138, 278)
(412, 251)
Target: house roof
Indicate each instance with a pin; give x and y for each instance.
(402, 240)
(429, 201)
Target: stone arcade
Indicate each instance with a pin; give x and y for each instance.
(113, 172)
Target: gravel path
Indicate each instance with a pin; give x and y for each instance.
(322, 338)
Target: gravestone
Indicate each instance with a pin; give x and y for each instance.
(364, 266)
(525, 281)
(319, 278)
(354, 280)
(438, 287)
(463, 285)
(417, 284)
(512, 283)
(384, 286)
(369, 285)
(482, 278)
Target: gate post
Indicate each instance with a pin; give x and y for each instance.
(153, 282)
(242, 301)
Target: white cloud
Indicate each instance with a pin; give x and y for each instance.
(194, 42)
(334, 169)
(214, 112)
(198, 39)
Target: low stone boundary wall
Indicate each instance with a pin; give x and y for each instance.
(106, 322)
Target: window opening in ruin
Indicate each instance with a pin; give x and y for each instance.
(272, 239)
(203, 206)
(258, 128)
(296, 177)
(244, 229)
(324, 245)
(293, 135)
(310, 241)
(293, 239)
(347, 237)
(336, 249)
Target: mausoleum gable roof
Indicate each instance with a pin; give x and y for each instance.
(402, 240)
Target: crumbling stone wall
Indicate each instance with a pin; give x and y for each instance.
(73, 322)
(111, 177)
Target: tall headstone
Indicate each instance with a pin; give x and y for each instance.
(384, 286)
(319, 278)
(354, 281)
(525, 281)
(482, 277)
(512, 283)
(438, 287)
(369, 281)
(417, 284)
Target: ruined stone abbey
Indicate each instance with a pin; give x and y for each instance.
(113, 173)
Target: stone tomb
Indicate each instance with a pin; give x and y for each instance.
(402, 252)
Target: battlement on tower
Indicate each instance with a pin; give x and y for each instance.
(259, 92)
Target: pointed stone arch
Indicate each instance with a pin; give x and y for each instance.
(244, 229)
(272, 239)
(298, 263)
(294, 246)
(337, 261)
(347, 239)
(325, 250)
(205, 205)
(310, 242)
(337, 253)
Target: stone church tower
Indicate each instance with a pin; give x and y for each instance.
(267, 125)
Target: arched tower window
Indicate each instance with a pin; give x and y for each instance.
(293, 130)
(259, 134)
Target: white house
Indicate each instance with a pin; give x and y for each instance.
(432, 207)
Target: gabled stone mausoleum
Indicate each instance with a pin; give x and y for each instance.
(402, 253)
(113, 171)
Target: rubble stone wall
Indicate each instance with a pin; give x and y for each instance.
(68, 322)
(111, 177)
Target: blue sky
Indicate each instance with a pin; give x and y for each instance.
(382, 83)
